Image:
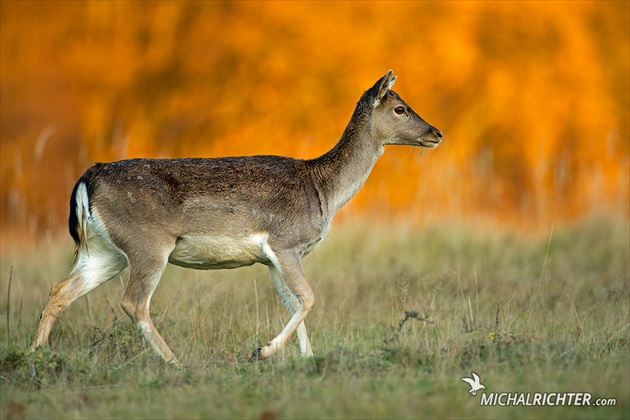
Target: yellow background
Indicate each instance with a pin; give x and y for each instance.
(532, 98)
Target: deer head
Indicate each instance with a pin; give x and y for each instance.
(394, 121)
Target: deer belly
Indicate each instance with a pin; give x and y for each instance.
(212, 252)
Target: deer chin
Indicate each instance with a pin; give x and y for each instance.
(428, 143)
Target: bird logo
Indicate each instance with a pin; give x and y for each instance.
(475, 384)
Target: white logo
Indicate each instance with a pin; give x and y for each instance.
(474, 383)
(533, 399)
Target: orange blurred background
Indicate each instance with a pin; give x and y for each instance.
(532, 98)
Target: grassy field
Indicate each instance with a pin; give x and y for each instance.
(402, 314)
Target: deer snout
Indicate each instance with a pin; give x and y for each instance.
(432, 138)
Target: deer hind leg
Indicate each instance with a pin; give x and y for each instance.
(144, 275)
(291, 278)
(92, 269)
(292, 304)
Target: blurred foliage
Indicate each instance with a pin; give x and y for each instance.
(39, 368)
(532, 97)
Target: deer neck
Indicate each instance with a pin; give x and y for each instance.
(343, 170)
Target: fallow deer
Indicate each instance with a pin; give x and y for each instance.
(213, 213)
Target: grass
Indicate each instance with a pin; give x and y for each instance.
(402, 314)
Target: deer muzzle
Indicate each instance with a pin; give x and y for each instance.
(432, 139)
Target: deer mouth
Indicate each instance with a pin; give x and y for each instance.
(429, 142)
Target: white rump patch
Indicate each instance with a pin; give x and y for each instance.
(98, 259)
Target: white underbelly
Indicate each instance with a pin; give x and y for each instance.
(211, 252)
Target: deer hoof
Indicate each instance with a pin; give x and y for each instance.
(174, 363)
(257, 355)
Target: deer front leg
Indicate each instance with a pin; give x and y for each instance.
(292, 303)
(290, 278)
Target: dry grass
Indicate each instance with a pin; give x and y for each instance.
(536, 313)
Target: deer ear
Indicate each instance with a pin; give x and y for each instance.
(383, 86)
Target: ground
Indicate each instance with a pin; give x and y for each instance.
(402, 314)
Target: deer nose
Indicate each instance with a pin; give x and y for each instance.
(437, 133)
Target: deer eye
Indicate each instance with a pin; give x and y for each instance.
(399, 110)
